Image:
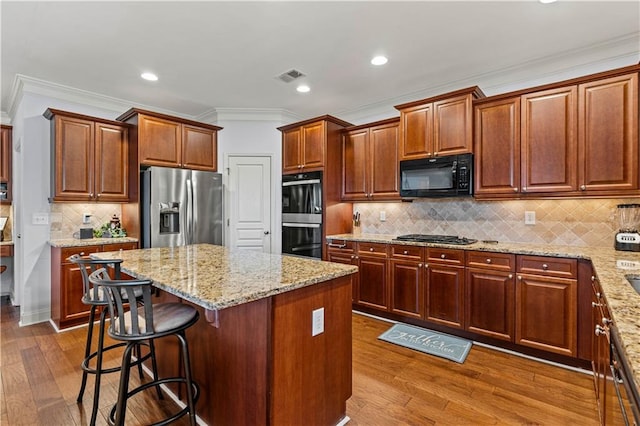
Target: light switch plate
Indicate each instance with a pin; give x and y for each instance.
(40, 218)
(530, 218)
(317, 322)
(383, 216)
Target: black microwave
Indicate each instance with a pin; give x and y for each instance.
(447, 176)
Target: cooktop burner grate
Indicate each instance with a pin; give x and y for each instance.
(442, 239)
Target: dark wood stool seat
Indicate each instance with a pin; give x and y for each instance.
(146, 323)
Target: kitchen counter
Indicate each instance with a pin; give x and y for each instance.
(76, 242)
(610, 265)
(216, 278)
(257, 350)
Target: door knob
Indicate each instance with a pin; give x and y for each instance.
(266, 232)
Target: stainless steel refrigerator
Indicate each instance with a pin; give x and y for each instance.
(180, 207)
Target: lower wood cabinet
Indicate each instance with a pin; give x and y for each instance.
(344, 252)
(67, 288)
(445, 295)
(490, 298)
(372, 283)
(407, 288)
(547, 306)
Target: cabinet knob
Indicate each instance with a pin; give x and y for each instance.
(593, 278)
(429, 154)
(442, 256)
(515, 189)
(595, 305)
(488, 260)
(606, 321)
(91, 194)
(583, 187)
(353, 257)
(371, 249)
(510, 276)
(405, 252)
(598, 295)
(435, 154)
(524, 189)
(81, 253)
(520, 277)
(545, 266)
(419, 265)
(599, 330)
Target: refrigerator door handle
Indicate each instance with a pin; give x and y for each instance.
(189, 230)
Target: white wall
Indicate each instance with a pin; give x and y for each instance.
(31, 161)
(255, 138)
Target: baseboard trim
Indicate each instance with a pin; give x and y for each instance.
(34, 317)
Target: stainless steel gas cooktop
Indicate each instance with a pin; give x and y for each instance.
(442, 239)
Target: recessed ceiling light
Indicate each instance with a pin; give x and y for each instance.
(303, 88)
(379, 60)
(149, 76)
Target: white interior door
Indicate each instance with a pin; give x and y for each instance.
(249, 184)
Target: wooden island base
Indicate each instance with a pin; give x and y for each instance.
(257, 363)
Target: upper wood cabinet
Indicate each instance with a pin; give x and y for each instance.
(89, 158)
(549, 140)
(438, 126)
(173, 142)
(370, 162)
(497, 147)
(303, 147)
(608, 134)
(561, 140)
(5, 164)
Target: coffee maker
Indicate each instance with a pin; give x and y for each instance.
(628, 238)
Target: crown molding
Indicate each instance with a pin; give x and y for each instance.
(256, 114)
(614, 53)
(26, 84)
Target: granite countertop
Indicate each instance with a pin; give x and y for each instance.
(6, 243)
(76, 242)
(215, 277)
(611, 267)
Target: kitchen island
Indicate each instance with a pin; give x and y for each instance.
(255, 352)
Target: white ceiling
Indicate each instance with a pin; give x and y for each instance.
(227, 54)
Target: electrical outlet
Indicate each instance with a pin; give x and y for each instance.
(317, 322)
(383, 216)
(530, 218)
(86, 218)
(40, 219)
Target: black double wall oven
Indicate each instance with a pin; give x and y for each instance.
(302, 214)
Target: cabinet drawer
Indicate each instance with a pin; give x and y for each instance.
(341, 246)
(82, 251)
(373, 249)
(495, 261)
(401, 251)
(550, 266)
(6, 251)
(445, 256)
(119, 246)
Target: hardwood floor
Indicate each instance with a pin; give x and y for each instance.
(40, 377)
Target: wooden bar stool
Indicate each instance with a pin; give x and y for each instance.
(96, 298)
(146, 323)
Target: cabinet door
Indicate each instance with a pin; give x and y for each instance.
(5, 155)
(445, 295)
(313, 145)
(372, 284)
(354, 165)
(72, 291)
(111, 162)
(416, 132)
(452, 119)
(383, 164)
(490, 303)
(5, 165)
(347, 259)
(497, 148)
(608, 134)
(160, 142)
(74, 159)
(546, 313)
(549, 141)
(291, 140)
(407, 288)
(199, 148)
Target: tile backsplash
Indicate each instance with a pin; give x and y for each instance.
(66, 218)
(583, 222)
(6, 211)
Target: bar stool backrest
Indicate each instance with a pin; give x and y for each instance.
(93, 294)
(127, 323)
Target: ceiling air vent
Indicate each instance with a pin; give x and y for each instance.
(290, 75)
